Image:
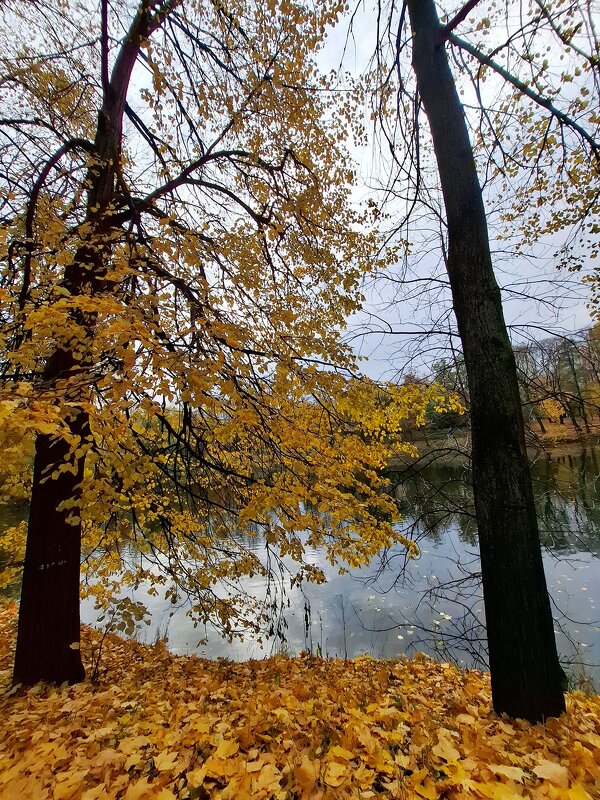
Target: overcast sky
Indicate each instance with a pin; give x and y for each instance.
(538, 299)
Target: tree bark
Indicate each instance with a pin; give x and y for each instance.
(526, 676)
(48, 631)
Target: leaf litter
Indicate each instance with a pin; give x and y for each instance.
(159, 726)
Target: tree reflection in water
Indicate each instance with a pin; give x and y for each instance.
(435, 496)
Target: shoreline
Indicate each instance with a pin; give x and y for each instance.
(454, 446)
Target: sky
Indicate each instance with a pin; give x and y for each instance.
(407, 321)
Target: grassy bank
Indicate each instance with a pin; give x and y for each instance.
(161, 726)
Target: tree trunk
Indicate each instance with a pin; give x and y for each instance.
(48, 632)
(49, 628)
(526, 676)
(578, 392)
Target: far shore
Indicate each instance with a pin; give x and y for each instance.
(454, 444)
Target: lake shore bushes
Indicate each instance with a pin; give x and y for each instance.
(156, 725)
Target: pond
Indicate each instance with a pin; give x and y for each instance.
(432, 603)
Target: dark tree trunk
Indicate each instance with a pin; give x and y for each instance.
(49, 629)
(534, 410)
(578, 392)
(526, 676)
(48, 632)
(571, 414)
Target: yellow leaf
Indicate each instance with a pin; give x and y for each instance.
(137, 790)
(269, 779)
(69, 785)
(47, 428)
(444, 748)
(335, 774)
(195, 778)
(427, 789)
(226, 748)
(95, 793)
(133, 760)
(221, 767)
(340, 752)
(495, 791)
(132, 743)
(307, 773)
(577, 792)
(165, 761)
(512, 773)
(592, 738)
(553, 772)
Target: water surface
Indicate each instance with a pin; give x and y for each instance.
(432, 603)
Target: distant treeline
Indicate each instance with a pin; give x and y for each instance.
(559, 379)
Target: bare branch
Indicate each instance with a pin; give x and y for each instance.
(457, 19)
(72, 144)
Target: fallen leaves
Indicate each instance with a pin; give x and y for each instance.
(553, 772)
(162, 727)
(307, 774)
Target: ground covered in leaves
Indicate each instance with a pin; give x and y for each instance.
(165, 727)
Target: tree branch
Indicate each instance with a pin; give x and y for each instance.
(592, 60)
(544, 102)
(104, 76)
(464, 12)
(72, 144)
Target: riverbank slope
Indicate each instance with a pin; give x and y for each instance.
(163, 726)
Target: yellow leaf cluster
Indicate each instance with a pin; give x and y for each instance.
(301, 465)
(553, 409)
(192, 359)
(161, 726)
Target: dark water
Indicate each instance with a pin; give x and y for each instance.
(432, 603)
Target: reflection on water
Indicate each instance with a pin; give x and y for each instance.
(432, 603)
(568, 502)
(438, 507)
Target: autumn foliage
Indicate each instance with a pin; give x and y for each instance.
(162, 726)
(180, 254)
